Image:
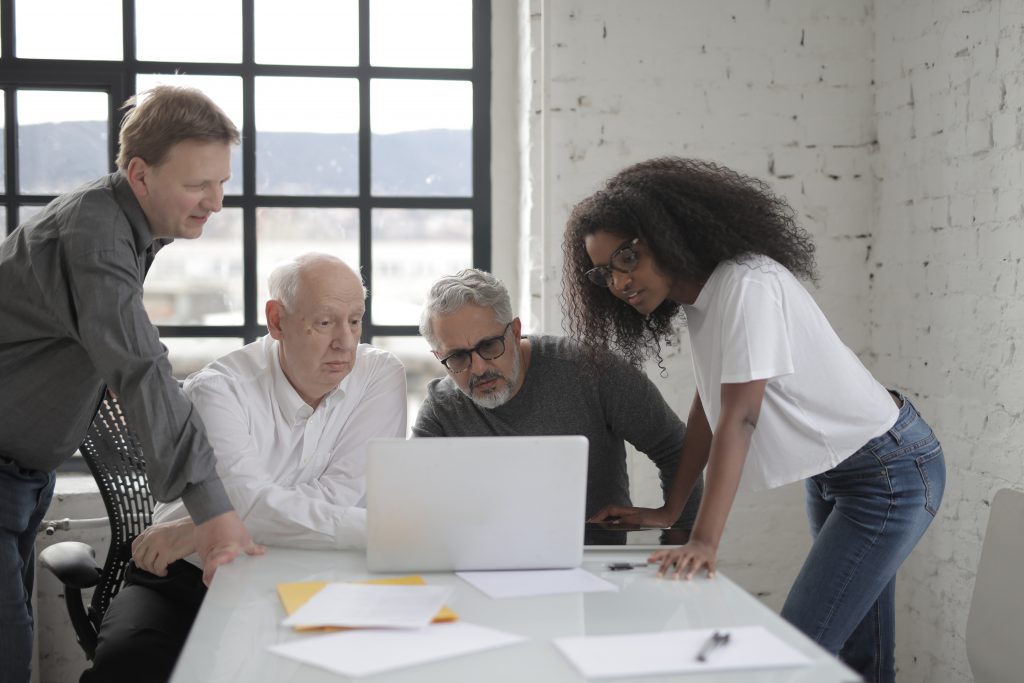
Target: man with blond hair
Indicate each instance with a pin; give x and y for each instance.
(72, 325)
(289, 417)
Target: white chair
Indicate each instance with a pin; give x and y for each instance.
(995, 624)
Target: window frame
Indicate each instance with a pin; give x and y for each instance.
(117, 79)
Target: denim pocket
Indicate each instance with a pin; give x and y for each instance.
(932, 468)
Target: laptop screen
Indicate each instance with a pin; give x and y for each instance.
(475, 503)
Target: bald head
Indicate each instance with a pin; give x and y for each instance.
(316, 314)
(286, 279)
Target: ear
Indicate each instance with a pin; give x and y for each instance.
(517, 327)
(137, 172)
(273, 311)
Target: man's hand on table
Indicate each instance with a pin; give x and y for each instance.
(220, 539)
(651, 517)
(161, 544)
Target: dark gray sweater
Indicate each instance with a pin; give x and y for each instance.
(562, 394)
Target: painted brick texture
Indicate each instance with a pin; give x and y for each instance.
(946, 277)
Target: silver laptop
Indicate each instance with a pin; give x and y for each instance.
(471, 503)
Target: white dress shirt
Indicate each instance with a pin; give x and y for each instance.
(295, 475)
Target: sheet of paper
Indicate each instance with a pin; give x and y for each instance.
(749, 647)
(295, 595)
(361, 653)
(516, 584)
(364, 606)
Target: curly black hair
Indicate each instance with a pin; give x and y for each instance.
(692, 215)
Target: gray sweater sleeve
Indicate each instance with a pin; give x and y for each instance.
(639, 414)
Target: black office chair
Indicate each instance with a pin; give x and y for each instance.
(115, 459)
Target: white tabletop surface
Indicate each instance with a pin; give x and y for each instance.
(241, 616)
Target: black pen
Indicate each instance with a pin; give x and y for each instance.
(619, 566)
(717, 639)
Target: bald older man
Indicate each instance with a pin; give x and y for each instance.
(288, 417)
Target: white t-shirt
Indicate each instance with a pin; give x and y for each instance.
(295, 475)
(753, 320)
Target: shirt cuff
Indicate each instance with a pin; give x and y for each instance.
(206, 500)
(351, 531)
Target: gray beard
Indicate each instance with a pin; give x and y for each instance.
(501, 396)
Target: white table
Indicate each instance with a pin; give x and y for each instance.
(241, 617)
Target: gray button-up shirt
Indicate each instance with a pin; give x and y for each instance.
(71, 323)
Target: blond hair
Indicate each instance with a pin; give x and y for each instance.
(163, 116)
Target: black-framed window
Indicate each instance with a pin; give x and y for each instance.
(366, 133)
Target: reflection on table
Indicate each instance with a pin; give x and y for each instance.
(600, 534)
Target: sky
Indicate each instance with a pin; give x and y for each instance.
(424, 33)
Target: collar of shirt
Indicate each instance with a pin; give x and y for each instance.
(129, 203)
(292, 406)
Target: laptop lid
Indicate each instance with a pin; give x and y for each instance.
(472, 503)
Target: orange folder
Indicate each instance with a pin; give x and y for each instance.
(295, 595)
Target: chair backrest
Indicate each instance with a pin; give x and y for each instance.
(995, 624)
(112, 452)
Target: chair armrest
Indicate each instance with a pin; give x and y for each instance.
(73, 563)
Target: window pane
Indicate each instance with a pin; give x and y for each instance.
(306, 132)
(189, 31)
(199, 282)
(421, 33)
(420, 368)
(282, 234)
(316, 32)
(226, 91)
(422, 137)
(26, 211)
(62, 139)
(188, 354)
(411, 249)
(68, 29)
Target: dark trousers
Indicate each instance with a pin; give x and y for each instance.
(24, 497)
(146, 625)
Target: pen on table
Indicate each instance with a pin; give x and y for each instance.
(717, 639)
(619, 566)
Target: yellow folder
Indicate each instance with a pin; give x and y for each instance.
(295, 595)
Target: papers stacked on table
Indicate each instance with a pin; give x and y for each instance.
(399, 612)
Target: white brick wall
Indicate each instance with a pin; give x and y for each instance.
(945, 304)
(893, 127)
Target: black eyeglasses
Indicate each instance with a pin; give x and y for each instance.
(624, 259)
(488, 349)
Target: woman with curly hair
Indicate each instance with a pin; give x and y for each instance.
(779, 397)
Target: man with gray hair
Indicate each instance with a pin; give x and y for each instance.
(288, 417)
(500, 383)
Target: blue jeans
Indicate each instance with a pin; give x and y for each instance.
(867, 514)
(24, 497)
